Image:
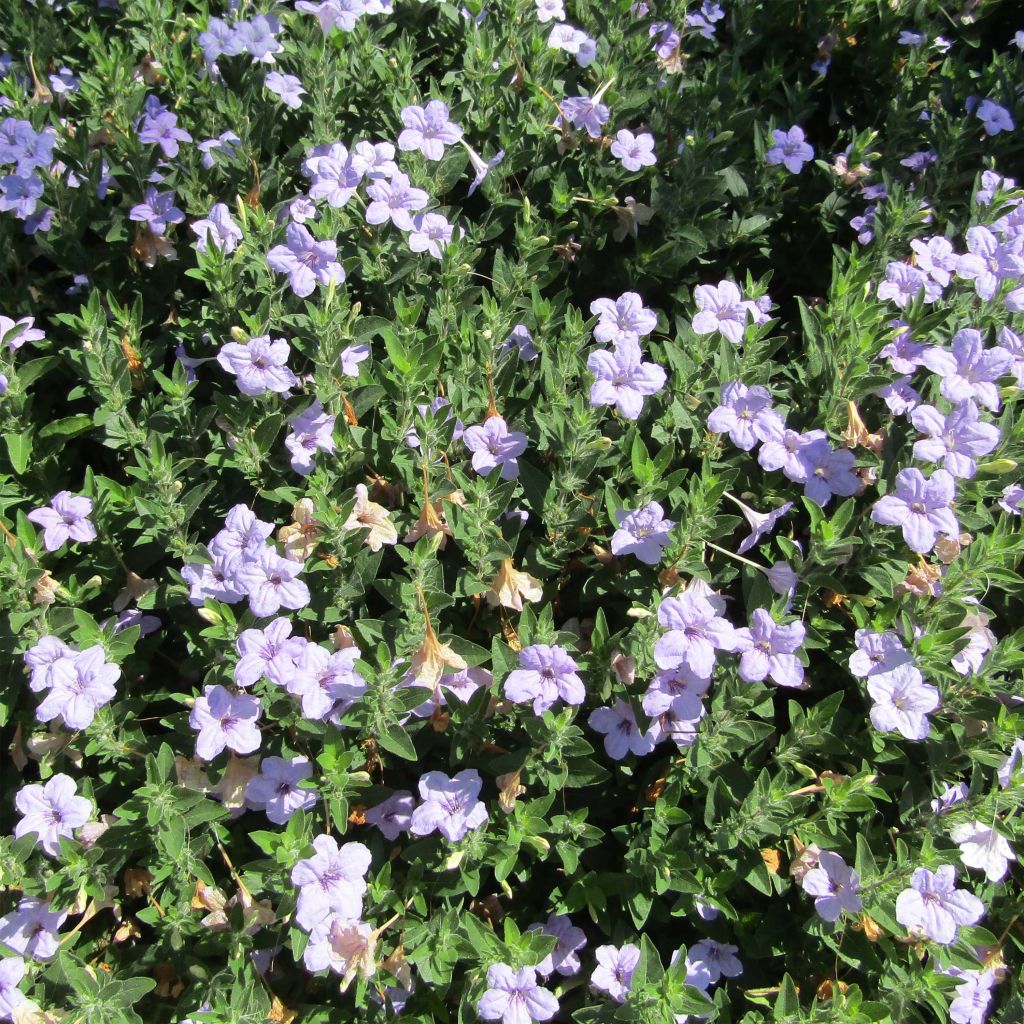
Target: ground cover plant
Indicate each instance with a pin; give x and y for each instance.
(511, 512)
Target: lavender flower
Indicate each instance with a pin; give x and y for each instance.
(52, 812)
(921, 507)
(877, 654)
(326, 682)
(623, 320)
(431, 233)
(833, 884)
(43, 658)
(374, 159)
(312, 431)
(989, 261)
(623, 379)
(395, 200)
(903, 283)
(269, 582)
(935, 908)
(717, 958)
(32, 929)
(258, 649)
(546, 674)
(259, 366)
(546, 10)
(695, 633)
(746, 415)
(643, 533)
(902, 702)
(514, 997)
(973, 997)
(335, 172)
(786, 450)
(562, 958)
(521, 339)
(157, 210)
(829, 472)
(955, 439)
(493, 445)
(226, 143)
(767, 651)
(622, 735)
(481, 167)
(12, 970)
(332, 881)
(159, 127)
(722, 309)
(680, 690)
(634, 151)
(936, 258)
(584, 112)
(573, 41)
(287, 88)
(995, 118)
(64, 519)
(217, 229)
(15, 333)
(762, 524)
(276, 789)
(428, 129)
(1011, 499)
(243, 534)
(450, 805)
(394, 815)
(790, 149)
(223, 721)
(982, 847)
(614, 972)
(351, 357)
(306, 261)
(80, 686)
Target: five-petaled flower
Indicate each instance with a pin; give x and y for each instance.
(514, 997)
(51, 812)
(225, 721)
(65, 518)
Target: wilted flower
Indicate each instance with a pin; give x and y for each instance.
(510, 587)
(368, 515)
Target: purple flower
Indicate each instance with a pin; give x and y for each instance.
(989, 261)
(157, 210)
(1010, 769)
(431, 233)
(258, 649)
(717, 958)
(514, 997)
(481, 167)
(573, 41)
(680, 690)
(584, 112)
(761, 524)
(351, 357)
(935, 908)
(920, 161)
(613, 974)
(325, 681)
(643, 533)
(902, 702)
(306, 261)
(746, 415)
(276, 789)
(546, 674)
(1011, 500)
(634, 151)
(790, 149)
(287, 88)
(428, 129)
(623, 379)
(374, 159)
(903, 283)
(767, 650)
(785, 451)
(493, 445)
(829, 471)
(43, 658)
(899, 396)
(974, 993)
(562, 958)
(225, 721)
(64, 519)
(546, 10)
(52, 812)
(258, 37)
(216, 581)
(243, 534)
(1013, 343)
(395, 200)
(904, 354)
(623, 320)
(450, 805)
(312, 431)
(908, 37)
(982, 847)
(335, 14)
(520, 338)
(259, 366)
(622, 735)
(217, 229)
(695, 633)
(15, 333)
(80, 686)
(12, 970)
(955, 438)
(159, 127)
(331, 882)
(270, 584)
(394, 815)
(336, 174)
(226, 143)
(921, 506)
(722, 309)
(934, 256)
(877, 654)
(20, 194)
(950, 796)
(833, 884)
(995, 118)
(32, 929)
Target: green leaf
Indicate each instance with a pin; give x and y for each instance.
(69, 426)
(397, 741)
(19, 449)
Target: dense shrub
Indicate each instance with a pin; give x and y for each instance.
(511, 512)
